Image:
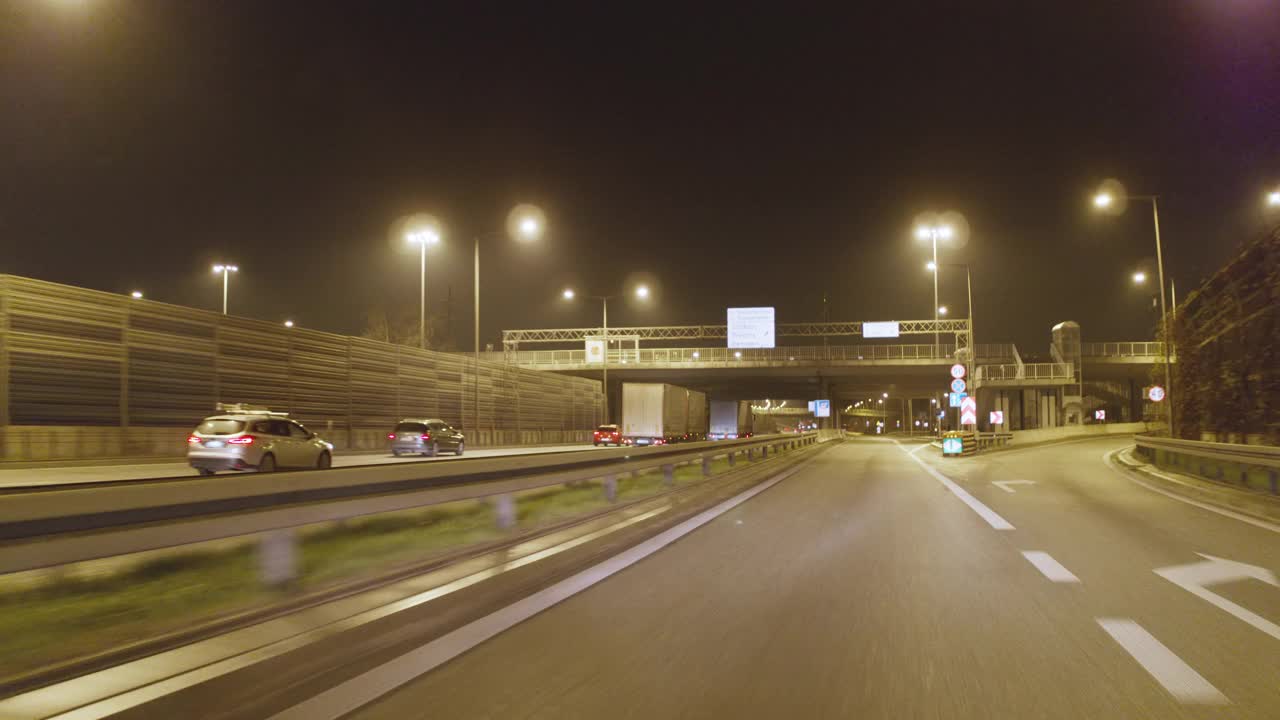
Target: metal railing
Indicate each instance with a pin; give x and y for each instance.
(1025, 371)
(510, 338)
(57, 527)
(1253, 466)
(1122, 349)
(725, 357)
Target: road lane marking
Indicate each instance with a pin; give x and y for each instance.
(1195, 577)
(1184, 683)
(920, 447)
(1256, 522)
(1049, 567)
(116, 689)
(369, 686)
(1004, 484)
(986, 513)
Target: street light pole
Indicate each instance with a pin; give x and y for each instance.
(605, 359)
(422, 299)
(475, 353)
(226, 271)
(933, 233)
(1164, 320)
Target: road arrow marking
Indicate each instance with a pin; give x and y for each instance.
(1194, 578)
(1004, 484)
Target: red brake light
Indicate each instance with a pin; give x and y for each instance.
(426, 436)
(192, 439)
(243, 440)
(391, 436)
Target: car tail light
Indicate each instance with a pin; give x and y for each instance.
(391, 436)
(426, 437)
(192, 440)
(243, 440)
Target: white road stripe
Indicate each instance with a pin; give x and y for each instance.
(986, 513)
(363, 689)
(1049, 567)
(1184, 683)
(1256, 522)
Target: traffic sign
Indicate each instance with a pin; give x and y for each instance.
(957, 371)
(957, 385)
(997, 417)
(1155, 393)
(956, 398)
(1099, 414)
(952, 446)
(969, 411)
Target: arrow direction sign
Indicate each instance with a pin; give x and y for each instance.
(1004, 484)
(1215, 570)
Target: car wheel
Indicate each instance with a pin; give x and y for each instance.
(267, 463)
(396, 453)
(434, 451)
(461, 447)
(324, 462)
(204, 471)
(596, 444)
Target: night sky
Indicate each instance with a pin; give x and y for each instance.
(732, 156)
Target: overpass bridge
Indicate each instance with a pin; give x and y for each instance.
(1112, 372)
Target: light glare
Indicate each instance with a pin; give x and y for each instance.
(1273, 198)
(288, 323)
(568, 293)
(642, 292)
(942, 310)
(931, 266)
(1103, 200)
(1139, 277)
(136, 294)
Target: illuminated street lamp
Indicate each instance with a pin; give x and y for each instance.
(1106, 199)
(136, 294)
(225, 271)
(288, 323)
(641, 293)
(1273, 198)
(1139, 278)
(942, 309)
(524, 223)
(933, 233)
(422, 237)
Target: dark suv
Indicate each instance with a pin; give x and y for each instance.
(427, 436)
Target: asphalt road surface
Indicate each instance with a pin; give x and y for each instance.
(866, 587)
(99, 473)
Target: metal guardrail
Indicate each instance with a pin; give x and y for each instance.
(57, 527)
(1261, 455)
(511, 338)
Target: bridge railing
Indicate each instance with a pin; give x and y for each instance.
(728, 357)
(1025, 371)
(1121, 349)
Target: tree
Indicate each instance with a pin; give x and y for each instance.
(400, 327)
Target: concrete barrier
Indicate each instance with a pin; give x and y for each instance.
(1024, 437)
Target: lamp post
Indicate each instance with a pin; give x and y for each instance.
(932, 267)
(641, 293)
(1105, 200)
(422, 238)
(525, 222)
(933, 233)
(225, 271)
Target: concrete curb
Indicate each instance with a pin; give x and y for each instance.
(1248, 502)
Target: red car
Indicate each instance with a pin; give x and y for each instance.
(607, 435)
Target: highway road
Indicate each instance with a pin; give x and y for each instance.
(865, 586)
(877, 581)
(14, 477)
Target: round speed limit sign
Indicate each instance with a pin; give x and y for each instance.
(1155, 394)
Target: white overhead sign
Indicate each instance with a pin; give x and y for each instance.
(880, 329)
(822, 408)
(595, 351)
(751, 327)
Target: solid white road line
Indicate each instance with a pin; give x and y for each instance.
(365, 688)
(974, 504)
(1184, 683)
(1049, 567)
(1256, 522)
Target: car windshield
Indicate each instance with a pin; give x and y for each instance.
(220, 426)
(411, 427)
